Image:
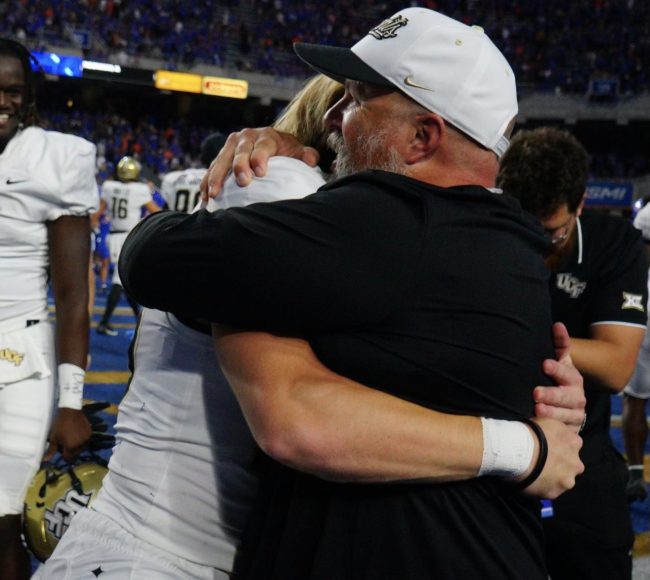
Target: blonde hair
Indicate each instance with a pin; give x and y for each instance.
(303, 116)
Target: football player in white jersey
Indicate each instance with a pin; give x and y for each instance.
(47, 192)
(180, 189)
(124, 200)
(637, 391)
(181, 480)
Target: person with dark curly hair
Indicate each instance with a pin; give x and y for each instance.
(598, 289)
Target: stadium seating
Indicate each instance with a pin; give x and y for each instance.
(593, 48)
(552, 45)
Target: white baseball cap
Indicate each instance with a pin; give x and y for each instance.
(449, 68)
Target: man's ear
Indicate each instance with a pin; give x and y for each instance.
(582, 204)
(427, 137)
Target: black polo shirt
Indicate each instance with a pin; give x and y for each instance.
(603, 280)
(438, 296)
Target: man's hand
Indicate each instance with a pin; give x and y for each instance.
(567, 401)
(563, 463)
(70, 432)
(247, 153)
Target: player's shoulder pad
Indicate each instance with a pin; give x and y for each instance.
(70, 144)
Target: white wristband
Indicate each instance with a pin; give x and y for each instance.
(71, 386)
(508, 448)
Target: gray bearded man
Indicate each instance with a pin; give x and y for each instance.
(398, 276)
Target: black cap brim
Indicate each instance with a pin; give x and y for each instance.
(338, 63)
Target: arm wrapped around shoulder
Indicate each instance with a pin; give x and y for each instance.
(148, 264)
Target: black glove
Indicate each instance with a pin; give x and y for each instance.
(99, 439)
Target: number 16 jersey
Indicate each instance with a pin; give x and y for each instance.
(124, 203)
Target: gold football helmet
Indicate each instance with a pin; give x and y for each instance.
(55, 495)
(128, 169)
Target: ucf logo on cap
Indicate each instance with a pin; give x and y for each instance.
(388, 28)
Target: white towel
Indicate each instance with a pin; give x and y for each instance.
(20, 358)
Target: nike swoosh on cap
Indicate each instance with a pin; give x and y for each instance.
(12, 182)
(411, 83)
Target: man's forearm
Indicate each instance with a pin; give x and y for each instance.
(307, 417)
(69, 242)
(608, 359)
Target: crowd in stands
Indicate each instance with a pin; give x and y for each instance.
(552, 44)
(615, 164)
(164, 144)
(160, 144)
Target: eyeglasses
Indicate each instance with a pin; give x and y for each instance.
(560, 234)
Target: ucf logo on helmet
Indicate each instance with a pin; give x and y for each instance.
(59, 517)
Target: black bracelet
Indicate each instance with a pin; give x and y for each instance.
(543, 454)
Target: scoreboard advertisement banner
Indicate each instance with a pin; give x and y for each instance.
(615, 194)
(178, 81)
(224, 87)
(165, 80)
